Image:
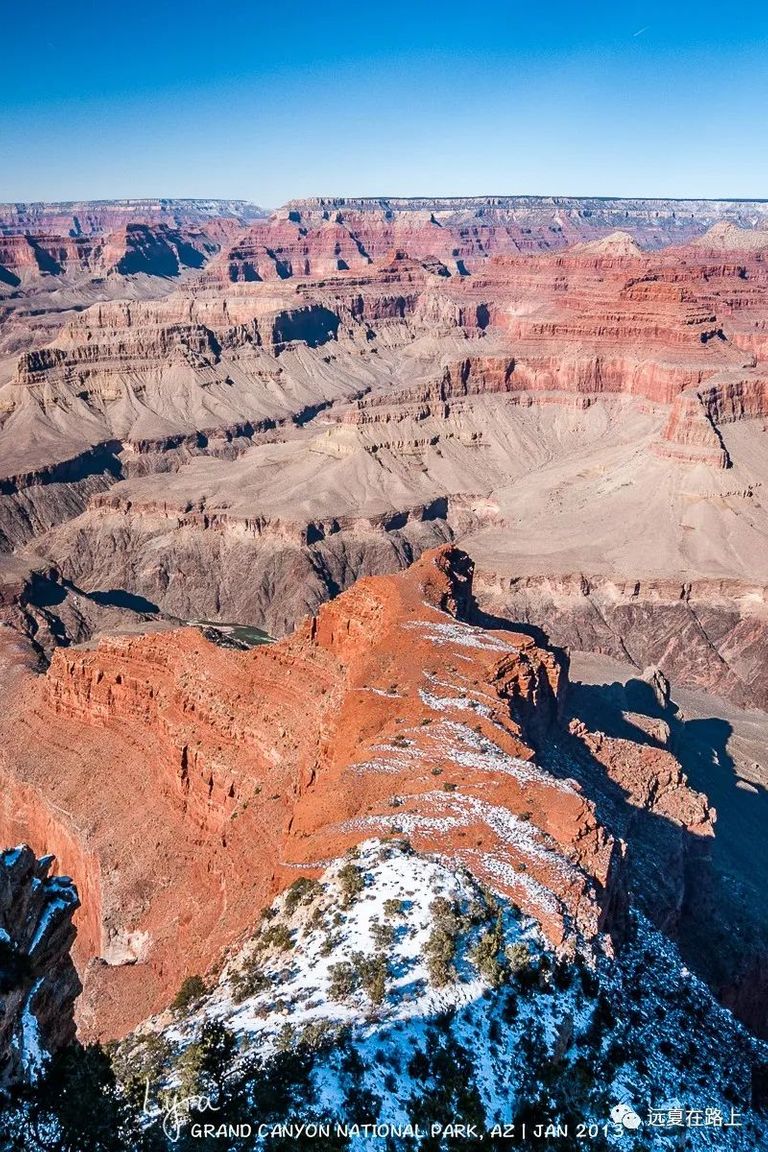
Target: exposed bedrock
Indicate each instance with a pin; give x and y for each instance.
(266, 573)
(703, 634)
(385, 714)
(38, 981)
(270, 571)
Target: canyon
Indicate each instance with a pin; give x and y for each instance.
(441, 451)
(386, 713)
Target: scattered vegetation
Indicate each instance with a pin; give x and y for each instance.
(518, 957)
(440, 949)
(368, 973)
(249, 981)
(486, 954)
(278, 936)
(383, 935)
(204, 1064)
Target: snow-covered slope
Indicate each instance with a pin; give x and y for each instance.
(398, 992)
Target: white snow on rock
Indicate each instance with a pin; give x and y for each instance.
(550, 1023)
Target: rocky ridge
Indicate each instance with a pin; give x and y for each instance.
(403, 402)
(38, 981)
(386, 713)
(364, 998)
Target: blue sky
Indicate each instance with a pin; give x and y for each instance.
(271, 101)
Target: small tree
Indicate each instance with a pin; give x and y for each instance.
(205, 1064)
(485, 955)
(351, 882)
(192, 989)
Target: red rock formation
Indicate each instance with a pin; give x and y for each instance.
(182, 784)
(125, 237)
(673, 329)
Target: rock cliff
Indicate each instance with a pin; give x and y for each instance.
(386, 714)
(38, 981)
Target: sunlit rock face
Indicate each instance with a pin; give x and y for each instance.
(387, 712)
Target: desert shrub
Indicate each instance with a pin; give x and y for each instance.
(316, 918)
(518, 957)
(360, 971)
(373, 976)
(383, 935)
(302, 891)
(439, 953)
(135, 1063)
(286, 1038)
(485, 955)
(249, 981)
(344, 980)
(393, 907)
(445, 914)
(329, 943)
(277, 936)
(192, 989)
(318, 1035)
(440, 948)
(204, 1064)
(351, 882)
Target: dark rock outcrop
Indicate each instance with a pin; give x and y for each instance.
(38, 981)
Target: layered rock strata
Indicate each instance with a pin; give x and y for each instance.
(386, 714)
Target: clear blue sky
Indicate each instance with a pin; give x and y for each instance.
(270, 101)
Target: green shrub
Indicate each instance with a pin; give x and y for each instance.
(351, 882)
(344, 980)
(302, 891)
(440, 949)
(373, 976)
(146, 1059)
(192, 989)
(204, 1065)
(518, 957)
(485, 955)
(277, 936)
(383, 935)
(249, 981)
(439, 952)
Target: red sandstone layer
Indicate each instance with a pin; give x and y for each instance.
(182, 784)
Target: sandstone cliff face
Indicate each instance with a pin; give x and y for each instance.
(38, 982)
(386, 714)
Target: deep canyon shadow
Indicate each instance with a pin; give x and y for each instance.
(722, 925)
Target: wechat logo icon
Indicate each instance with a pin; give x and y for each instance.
(623, 1114)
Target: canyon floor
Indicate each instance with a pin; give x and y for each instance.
(490, 473)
